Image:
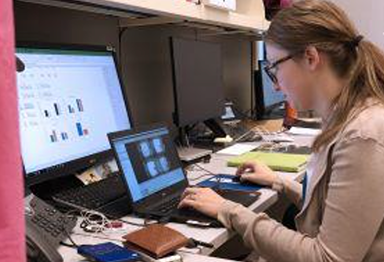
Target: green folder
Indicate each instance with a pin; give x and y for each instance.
(276, 161)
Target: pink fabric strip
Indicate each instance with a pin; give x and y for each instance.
(12, 237)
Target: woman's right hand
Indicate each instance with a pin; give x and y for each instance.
(258, 173)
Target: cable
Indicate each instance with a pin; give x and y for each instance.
(120, 59)
(93, 221)
(204, 169)
(66, 217)
(96, 222)
(199, 177)
(254, 129)
(111, 218)
(67, 245)
(218, 179)
(243, 114)
(98, 237)
(209, 173)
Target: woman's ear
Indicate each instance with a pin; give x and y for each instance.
(312, 59)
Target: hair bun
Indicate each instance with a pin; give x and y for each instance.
(356, 41)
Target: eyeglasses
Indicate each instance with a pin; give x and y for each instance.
(271, 69)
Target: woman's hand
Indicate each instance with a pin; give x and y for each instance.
(258, 173)
(204, 200)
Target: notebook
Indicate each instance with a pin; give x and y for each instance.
(276, 161)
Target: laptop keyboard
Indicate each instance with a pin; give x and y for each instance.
(168, 206)
(244, 198)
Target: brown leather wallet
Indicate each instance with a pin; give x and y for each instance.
(155, 240)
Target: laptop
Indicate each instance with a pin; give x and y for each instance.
(155, 178)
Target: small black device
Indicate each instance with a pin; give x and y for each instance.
(45, 228)
(155, 178)
(108, 252)
(237, 179)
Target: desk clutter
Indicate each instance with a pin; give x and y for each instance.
(153, 241)
(47, 228)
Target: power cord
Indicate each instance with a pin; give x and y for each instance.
(66, 217)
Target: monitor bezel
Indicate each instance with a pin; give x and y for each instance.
(176, 113)
(77, 165)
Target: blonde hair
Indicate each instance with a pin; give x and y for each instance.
(326, 27)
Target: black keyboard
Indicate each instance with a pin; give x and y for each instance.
(168, 206)
(244, 198)
(93, 196)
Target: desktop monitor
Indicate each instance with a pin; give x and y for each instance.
(198, 81)
(269, 102)
(70, 98)
(271, 97)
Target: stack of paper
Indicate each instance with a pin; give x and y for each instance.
(237, 149)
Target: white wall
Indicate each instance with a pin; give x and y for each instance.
(368, 15)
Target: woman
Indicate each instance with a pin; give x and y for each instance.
(318, 59)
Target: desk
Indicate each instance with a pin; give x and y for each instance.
(216, 236)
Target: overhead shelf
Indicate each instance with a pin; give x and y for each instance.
(249, 15)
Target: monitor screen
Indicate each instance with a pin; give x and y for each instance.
(69, 100)
(198, 81)
(270, 95)
(148, 161)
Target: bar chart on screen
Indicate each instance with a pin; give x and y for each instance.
(69, 101)
(62, 118)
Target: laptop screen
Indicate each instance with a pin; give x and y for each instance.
(148, 162)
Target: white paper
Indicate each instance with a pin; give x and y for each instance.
(237, 149)
(304, 131)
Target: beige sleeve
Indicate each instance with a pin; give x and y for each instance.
(292, 189)
(354, 212)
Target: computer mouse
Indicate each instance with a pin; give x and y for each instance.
(237, 179)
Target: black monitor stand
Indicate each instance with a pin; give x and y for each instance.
(189, 153)
(276, 111)
(215, 127)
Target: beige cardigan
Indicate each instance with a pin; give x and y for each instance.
(342, 218)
